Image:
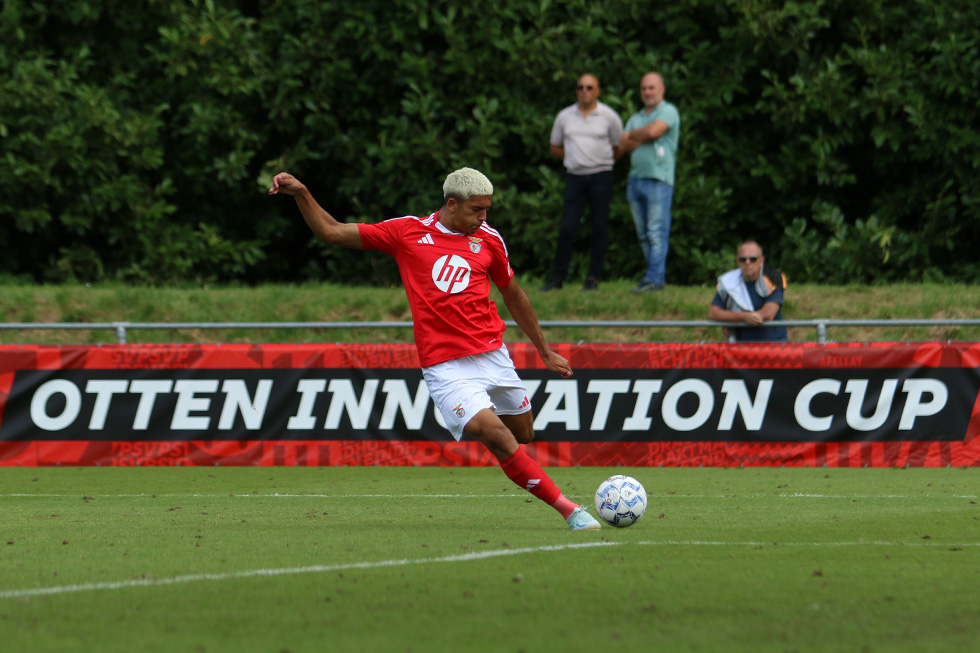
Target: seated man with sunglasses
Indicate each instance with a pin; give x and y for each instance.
(751, 294)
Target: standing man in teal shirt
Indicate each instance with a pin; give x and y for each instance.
(651, 136)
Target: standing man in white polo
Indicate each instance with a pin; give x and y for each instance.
(585, 136)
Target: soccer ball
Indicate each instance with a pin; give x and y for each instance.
(620, 501)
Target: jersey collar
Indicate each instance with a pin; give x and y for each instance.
(444, 229)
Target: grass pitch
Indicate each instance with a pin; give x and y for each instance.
(437, 559)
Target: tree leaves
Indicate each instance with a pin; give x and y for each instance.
(137, 139)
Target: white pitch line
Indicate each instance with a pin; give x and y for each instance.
(319, 569)
(315, 569)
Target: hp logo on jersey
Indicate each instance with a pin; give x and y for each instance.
(451, 274)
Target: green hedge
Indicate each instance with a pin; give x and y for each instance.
(136, 139)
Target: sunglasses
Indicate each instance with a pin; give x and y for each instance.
(583, 87)
(748, 259)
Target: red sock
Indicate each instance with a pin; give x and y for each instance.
(527, 473)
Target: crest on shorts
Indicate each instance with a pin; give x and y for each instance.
(475, 244)
(458, 409)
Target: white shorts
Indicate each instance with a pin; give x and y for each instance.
(462, 387)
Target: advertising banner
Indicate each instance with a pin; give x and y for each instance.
(646, 404)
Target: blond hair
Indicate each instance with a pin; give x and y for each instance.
(466, 183)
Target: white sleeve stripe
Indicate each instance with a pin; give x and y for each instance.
(408, 217)
(496, 234)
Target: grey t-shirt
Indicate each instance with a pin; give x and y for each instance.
(588, 140)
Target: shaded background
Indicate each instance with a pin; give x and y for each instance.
(137, 139)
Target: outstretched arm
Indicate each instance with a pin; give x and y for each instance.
(523, 313)
(322, 223)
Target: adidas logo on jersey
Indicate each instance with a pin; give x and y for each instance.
(532, 483)
(426, 240)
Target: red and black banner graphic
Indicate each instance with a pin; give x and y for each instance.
(806, 404)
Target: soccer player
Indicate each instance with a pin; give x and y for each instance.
(447, 261)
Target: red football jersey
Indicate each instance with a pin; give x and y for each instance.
(447, 279)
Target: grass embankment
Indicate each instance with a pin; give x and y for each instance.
(332, 303)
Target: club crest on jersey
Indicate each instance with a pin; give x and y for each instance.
(458, 409)
(475, 244)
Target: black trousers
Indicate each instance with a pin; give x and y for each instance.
(580, 190)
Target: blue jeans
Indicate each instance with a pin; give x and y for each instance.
(650, 200)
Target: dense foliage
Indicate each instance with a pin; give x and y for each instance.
(137, 139)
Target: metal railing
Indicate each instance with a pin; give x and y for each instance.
(122, 329)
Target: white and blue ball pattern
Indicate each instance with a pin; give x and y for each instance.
(620, 501)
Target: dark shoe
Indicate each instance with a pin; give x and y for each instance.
(647, 286)
(551, 285)
(591, 284)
